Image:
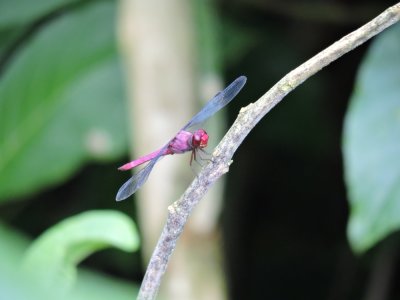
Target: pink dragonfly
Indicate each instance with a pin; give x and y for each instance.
(184, 140)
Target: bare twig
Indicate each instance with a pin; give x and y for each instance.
(247, 119)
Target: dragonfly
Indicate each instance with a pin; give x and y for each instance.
(184, 141)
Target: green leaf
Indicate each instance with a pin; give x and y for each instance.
(96, 286)
(16, 285)
(12, 246)
(52, 259)
(19, 12)
(371, 145)
(61, 102)
(13, 283)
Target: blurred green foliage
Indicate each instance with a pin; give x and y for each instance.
(48, 268)
(371, 144)
(53, 257)
(61, 105)
(22, 12)
(61, 101)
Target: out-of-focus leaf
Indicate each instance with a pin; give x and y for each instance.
(19, 12)
(61, 102)
(208, 36)
(93, 286)
(17, 16)
(7, 37)
(14, 284)
(53, 257)
(371, 145)
(12, 246)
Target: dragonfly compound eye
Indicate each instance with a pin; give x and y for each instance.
(200, 138)
(203, 139)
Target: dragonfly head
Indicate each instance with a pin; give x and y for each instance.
(200, 138)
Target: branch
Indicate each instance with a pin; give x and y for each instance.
(245, 122)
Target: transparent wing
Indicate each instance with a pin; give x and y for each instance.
(217, 102)
(136, 181)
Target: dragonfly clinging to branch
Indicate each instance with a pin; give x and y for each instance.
(184, 141)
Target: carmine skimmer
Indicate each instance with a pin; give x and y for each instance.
(183, 141)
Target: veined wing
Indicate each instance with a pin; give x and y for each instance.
(136, 181)
(220, 100)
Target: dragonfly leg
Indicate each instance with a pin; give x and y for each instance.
(192, 156)
(198, 158)
(207, 155)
